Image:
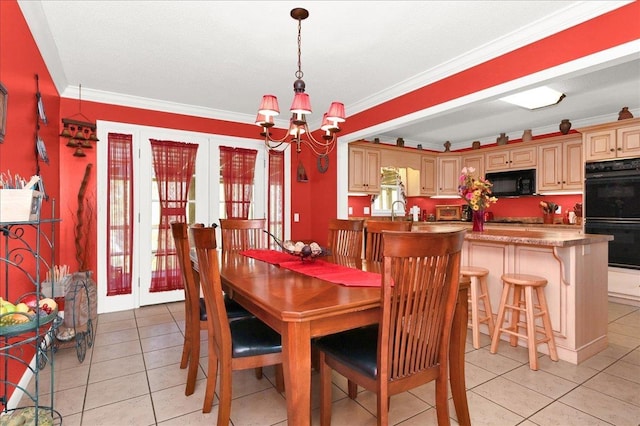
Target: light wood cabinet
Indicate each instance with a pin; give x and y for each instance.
(448, 175)
(511, 158)
(560, 166)
(476, 161)
(364, 169)
(428, 173)
(620, 139)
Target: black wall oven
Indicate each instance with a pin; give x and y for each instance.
(612, 207)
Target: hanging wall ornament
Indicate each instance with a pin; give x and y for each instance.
(301, 175)
(323, 163)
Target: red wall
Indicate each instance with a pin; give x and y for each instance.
(505, 207)
(20, 61)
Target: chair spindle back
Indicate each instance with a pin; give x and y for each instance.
(345, 237)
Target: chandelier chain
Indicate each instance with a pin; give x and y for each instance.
(299, 73)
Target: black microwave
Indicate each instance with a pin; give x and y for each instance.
(513, 183)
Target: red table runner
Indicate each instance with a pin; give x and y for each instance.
(335, 273)
(317, 268)
(270, 256)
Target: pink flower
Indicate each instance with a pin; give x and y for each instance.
(475, 191)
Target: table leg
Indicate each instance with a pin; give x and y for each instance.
(456, 355)
(296, 353)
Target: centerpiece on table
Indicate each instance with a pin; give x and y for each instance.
(476, 191)
(300, 249)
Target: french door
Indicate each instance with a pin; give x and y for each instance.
(204, 204)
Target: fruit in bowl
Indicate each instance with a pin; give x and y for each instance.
(14, 314)
(303, 250)
(48, 305)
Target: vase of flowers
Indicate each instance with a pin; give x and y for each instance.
(476, 191)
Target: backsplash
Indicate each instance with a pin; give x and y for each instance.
(528, 206)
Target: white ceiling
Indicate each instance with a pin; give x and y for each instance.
(217, 59)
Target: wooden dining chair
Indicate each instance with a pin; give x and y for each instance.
(410, 345)
(233, 345)
(373, 236)
(194, 306)
(243, 234)
(345, 237)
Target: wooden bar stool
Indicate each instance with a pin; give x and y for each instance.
(479, 292)
(518, 282)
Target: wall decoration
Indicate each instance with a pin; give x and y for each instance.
(3, 111)
(41, 113)
(323, 163)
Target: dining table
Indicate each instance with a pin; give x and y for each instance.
(284, 293)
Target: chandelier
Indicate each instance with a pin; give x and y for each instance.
(79, 130)
(300, 107)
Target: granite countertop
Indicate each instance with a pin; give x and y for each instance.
(538, 238)
(502, 222)
(549, 235)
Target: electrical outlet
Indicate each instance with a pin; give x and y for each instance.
(367, 210)
(296, 217)
(350, 211)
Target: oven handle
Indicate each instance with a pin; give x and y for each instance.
(609, 222)
(611, 176)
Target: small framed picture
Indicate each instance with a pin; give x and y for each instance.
(3, 112)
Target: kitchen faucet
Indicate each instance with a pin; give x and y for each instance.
(404, 208)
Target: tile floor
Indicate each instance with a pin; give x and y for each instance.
(131, 376)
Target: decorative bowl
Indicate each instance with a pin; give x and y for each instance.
(300, 249)
(30, 325)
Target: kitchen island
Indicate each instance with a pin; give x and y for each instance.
(575, 266)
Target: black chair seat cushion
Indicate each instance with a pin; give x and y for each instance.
(250, 336)
(234, 310)
(355, 348)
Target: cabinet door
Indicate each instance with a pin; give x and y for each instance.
(357, 165)
(476, 161)
(600, 145)
(498, 160)
(364, 170)
(428, 175)
(628, 142)
(523, 158)
(372, 170)
(572, 165)
(448, 174)
(550, 168)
